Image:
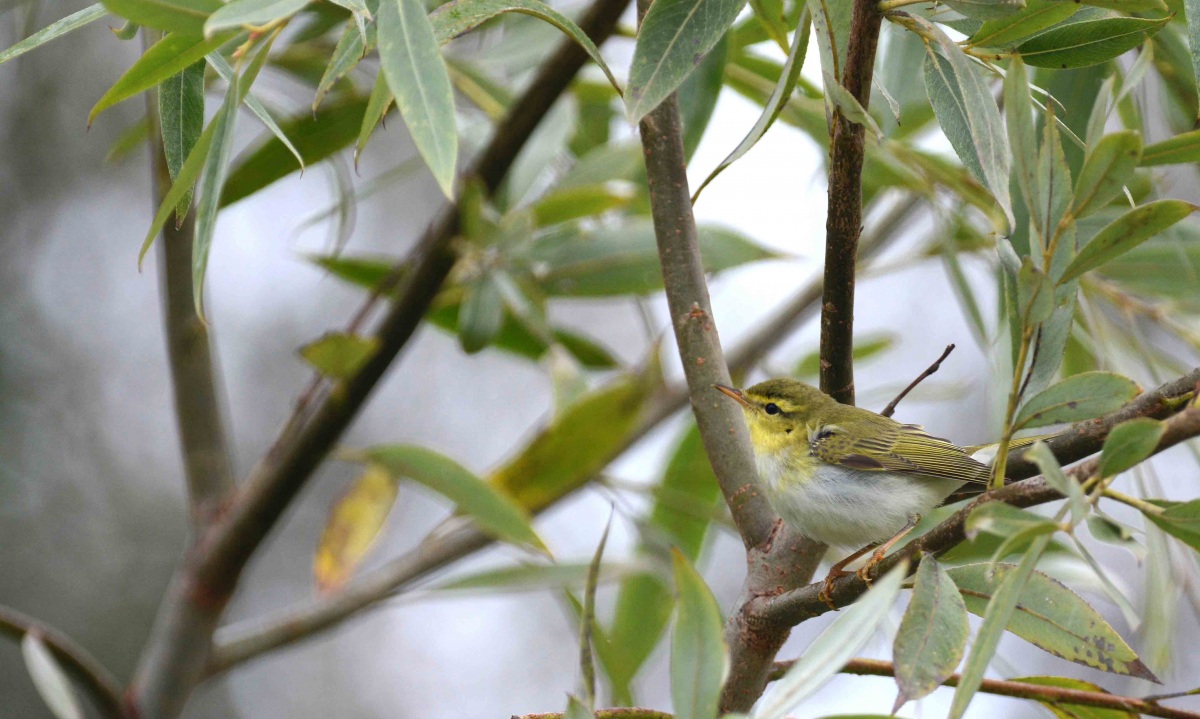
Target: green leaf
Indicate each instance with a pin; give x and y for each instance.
(932, 635)
(1018, 113)
(773, 106)
(673, 39)
(572, 203)
(460, 16)
(580, 442)
(1181, 521)
(166, 58)
(49, 679)
(1128, 444)
(1126, 232)
(175, 16)
(967, 112)
(1191, 9)
(55, 29)
(699, 656)
(1065, 710)
(535, 577)
(685, 501)
(351, 48)
(377, 106)
(1037, 16)
(1106, 169)
(849, 106)
(577, 709)
(1082, 396)
(1000, 609)
(481, 314)
(216, 166)
(587, 619)
(849, 632)
(420, 83)
(1058, 480)
(181, 120)
(1089, 42)
(623, 259)
(865, 348)
(496, 512)
(1184, 147)
(1035, 294)
(1005, 520)
(1112, 532)
(1054, 186)
(339, 355)
(237, 13)
(221, 65)
(1051, 617)
(182, 186)
(315, 137)
(831, 24)
(987, 9)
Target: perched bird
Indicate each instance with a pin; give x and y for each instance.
(844, 475)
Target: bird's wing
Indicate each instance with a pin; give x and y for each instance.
(904, 448)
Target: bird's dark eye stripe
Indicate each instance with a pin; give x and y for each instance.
(772, 408)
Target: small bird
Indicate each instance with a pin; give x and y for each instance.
(844, 475)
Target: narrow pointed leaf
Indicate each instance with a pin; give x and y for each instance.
(1111, 532)
(420, 83)
(496, 513)
(175, 16)
(377, 106)
(699, 656)
(251, 12)
(481, 315)
(987, 9)
(1184, 147)
(1004, 520)
(55, 29)
(221, 65)
(216, 167)
(346, 55)
(1126, 232)
(1035, 294)
(1053, 618)
(1054, 186)
(1065, 710)
(1108, 166)
(1018, 114)
(850, 107)
(1180, 520)
(536, 577)
(182, 186)
(1090, 42)
(353, 527)
(587, 619)
(674, 37)
(167, 57)
(698, 95)
(845, 637)
(1128, 444)
(1082, 396)
(1055, 477)
(181, 120)
(1191, 10)
(933, 633)
(831, 25)
(49, 678)
(1037, 16)
(774, 104)
(460, 16)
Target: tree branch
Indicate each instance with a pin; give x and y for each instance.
(176, 655)
(206, 457)
(1023, 690)
(890, 409)
(844, 221)
(304, 621)
(790, 608)
(101, 686)
(619, 713)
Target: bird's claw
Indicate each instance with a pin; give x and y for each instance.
(826, 593)
(865, 571)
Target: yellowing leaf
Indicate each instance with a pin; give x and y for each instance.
(353, 527)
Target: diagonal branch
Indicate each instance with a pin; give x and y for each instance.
(790, 608)
(844, 221)
(101, 686)
(306, 620)
(176, 655)
(1024, 690)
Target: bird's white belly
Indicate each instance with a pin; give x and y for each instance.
(847, 507)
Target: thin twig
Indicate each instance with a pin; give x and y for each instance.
(101, 686)
(176, 655)
(206, 458)
(890, 409)
(619, 713)
(1023, 690)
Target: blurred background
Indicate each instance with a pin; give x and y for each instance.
(92, 514)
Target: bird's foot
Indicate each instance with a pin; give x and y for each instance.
(826, 593)
(866, 571)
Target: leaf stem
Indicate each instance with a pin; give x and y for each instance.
(886, 5)
(1139, 504)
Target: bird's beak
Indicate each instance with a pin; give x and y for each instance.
(735, 394)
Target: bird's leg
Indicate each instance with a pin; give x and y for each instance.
(864, 572)
(835, 572)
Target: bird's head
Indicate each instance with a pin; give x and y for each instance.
(779, 412)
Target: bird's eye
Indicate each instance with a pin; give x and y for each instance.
(772, 408)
